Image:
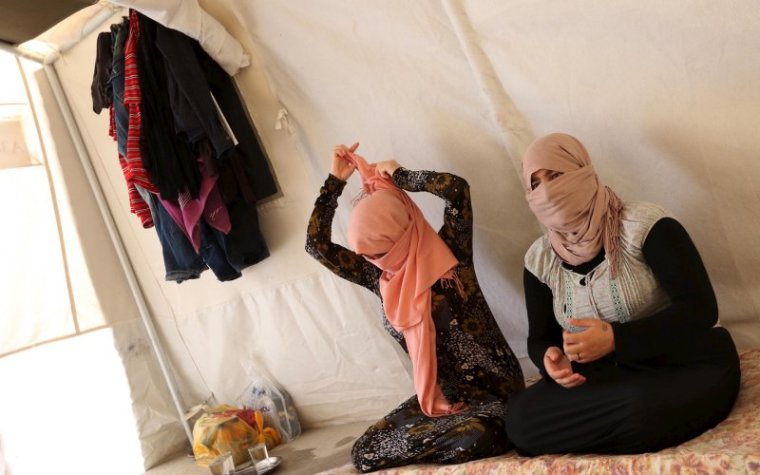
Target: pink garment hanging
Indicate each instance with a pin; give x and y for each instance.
(209, 205)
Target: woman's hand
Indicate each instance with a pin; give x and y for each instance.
(342, 168)
(387, 167)
(596, 341)
(559, 369)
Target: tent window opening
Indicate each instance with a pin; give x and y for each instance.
(55, 344)
(36, 303)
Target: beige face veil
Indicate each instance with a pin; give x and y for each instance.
(581, 215)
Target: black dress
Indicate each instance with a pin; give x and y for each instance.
(475, 363)
(673, 375)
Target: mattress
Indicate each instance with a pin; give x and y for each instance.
(732, 447)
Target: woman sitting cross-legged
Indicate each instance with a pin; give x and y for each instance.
(621, 315)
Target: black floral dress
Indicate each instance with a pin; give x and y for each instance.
(475, 363)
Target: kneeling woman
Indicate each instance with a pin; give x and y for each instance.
(621, 315)
(464, 370)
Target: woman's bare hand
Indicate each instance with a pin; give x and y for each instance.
(594, 342)
(559, 369)
(342, 168)
(387, 167)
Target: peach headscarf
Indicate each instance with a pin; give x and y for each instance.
(581, 215)
(390, 231)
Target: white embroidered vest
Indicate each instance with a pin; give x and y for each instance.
(634, 293)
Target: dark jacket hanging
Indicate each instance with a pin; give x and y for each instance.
(167, 157)
(254, 158)
(101, 84)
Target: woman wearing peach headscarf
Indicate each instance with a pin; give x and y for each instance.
(464, 371)
(621, 319)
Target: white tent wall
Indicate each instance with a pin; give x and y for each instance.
(101, 295)
(663, 94)
(105, 308)
(395, 78)
(665, 97)
(76, 359)
(285, 317)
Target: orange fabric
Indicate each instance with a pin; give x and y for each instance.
(389, 230)
(580, 214)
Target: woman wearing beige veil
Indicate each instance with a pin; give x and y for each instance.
(621, 314)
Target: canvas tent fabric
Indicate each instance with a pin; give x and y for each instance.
(52, 35)
(78, 345)
(662, 94)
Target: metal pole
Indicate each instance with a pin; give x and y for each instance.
(93, 24)
(9, 48)
(113, 232)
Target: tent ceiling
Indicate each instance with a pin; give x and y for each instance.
(21, 20)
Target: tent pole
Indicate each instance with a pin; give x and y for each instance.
(93, 24)
(513, 127)
(113, 232)
(9, 48)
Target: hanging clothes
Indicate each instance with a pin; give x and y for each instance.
(194, 111)
(101, 76)
(107, 90)
(185, 172)
(188, 212)
(120, 115)
(169, 160)
(181, 261)
(253, 157)
(196, 85)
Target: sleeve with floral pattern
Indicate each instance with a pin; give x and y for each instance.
(457, 217)
(341, 261)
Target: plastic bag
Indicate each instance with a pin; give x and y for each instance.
(275, 404)
(266, 434)
(221, 431)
